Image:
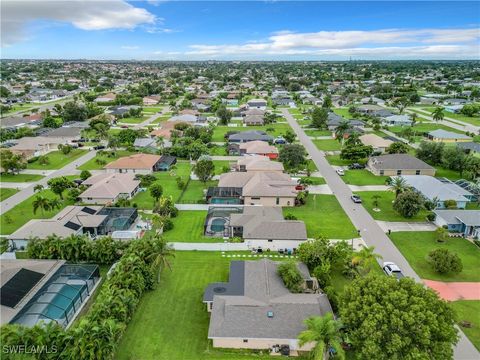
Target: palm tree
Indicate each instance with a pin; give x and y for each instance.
(42, 203)
(437, 114)
(38, 188)
(398, 185)
(324, 331)
(161, 251)
(375, 198)
(341, 130)
(365, 258)
(55, 204)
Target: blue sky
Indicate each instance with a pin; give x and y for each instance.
(117, 29)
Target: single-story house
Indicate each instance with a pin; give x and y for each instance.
(441, 135)
(453, 101)
(166, 162)
(466, 222)
(151, 100)
(253, 120)
(438, 190)
(378, 143)
(470, 147)
(258, 163)
(257, 104)
(187, 118)
(398, 164)
(267, 188)
(106, 98)
(145, 144)
(397, 120)
(455, 109)
(73, 220)
(137, 163)
(252, 135)
(107, 188)
(368, 108)
(335, 120)
(31, 146)
(254, 309)
(258, 147)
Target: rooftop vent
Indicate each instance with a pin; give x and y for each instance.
(270, 314)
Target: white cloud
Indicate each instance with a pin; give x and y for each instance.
(83, 14)
(388, 43)
(130, 47)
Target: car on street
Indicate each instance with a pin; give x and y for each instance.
(356, 199)
(340, 172)
(391, 269)
(356, 166)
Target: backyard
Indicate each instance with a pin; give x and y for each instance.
(415, 246)
(271, 129)
(323, 215)
(57, 160)
(385, 204)
(188, 227)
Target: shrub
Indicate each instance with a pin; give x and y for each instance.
(443, 261)
(290, 275)
(85, 174)
(290, 217)
(167, 224)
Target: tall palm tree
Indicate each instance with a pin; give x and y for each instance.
(55, 204)
(42, 203)
(38, 188)
(437, 114)
(365, 258)
(398, 185)
(341, 130)
(324, 331)
(160, 254)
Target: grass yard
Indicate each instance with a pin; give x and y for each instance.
(5, 193)
(471, 120)
(93, 165)
(447, 173)
(133, 120)
(415, 246)
(217, 150)
(171, 322)
(363, 177)
(335, 160)
(220, 164)
(315, 132)
(323, 215)
(13, 219)
(19, 177)
(57, 160)
(328, 145)
(278, 129)
(469, 310)
(343, 112)
(385, 204)
(195, 192)
(188, 227)
(168, 180)
(315, 180)
(420, 128)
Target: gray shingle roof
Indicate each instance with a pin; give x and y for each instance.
(432, 188)
(443, 134)
(467, 217)
(398, 162)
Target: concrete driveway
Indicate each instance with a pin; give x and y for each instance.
(406, 226)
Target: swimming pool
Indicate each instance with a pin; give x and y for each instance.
(63, 302)
(218, 225)
(225, 201)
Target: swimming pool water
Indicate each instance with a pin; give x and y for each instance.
(63, 304)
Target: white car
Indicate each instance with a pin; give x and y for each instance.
(392, 270)
(340, 172)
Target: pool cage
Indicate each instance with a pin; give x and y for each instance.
(117, 219)
(471, 187)
(224, 195)
(218, 220)
(61, 297)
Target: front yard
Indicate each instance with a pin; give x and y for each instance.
(415, 246)
(328, 145)
(271, 129)
(323, 215)
(363, 177)
(469, 310)
(106, 157)
(385, 204)
(57, 160)
(19, 177)
(5, 193)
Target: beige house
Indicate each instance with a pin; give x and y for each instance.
(258, 147)
(398, 164)
(137, 163)
(254, 309)
(151, 100)
(106, 98)
(38, 145)
(267, 188)
(378, 143)
(107, 188)
(258, 163)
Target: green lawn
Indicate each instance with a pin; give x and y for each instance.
(220, 164)
(385, 204)
(471, 120)
(57, 160)
(171, 322)
(19, 177)
(415, 246)
(315, 132)
(343, 112)
(23, 212)
(278, 129)
(420, 128)
(188, 227)
(323, 215)
(168, 180)
(327, 145)
(363, 177)
(195, 192)
(335, 160)
(6, 193)
(92, 164)
(133, 120)
(449, 174)
(315, 180)
(217, 150)
(469, 310)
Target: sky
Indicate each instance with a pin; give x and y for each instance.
(234, 30)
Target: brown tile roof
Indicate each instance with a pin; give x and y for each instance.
(137, 161)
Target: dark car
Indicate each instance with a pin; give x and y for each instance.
(356, 199)
(356, 166)
(99, 147)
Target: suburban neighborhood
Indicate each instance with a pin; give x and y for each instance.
(239, 209)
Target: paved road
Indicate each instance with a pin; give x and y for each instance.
(24, 194)
(153, 118)
(370, 231)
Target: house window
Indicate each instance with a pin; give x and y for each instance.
(399, 172)
(255, 198)
(417, 172)
(245, 340)
(211, 305)
(277, 201)
(382, 172)
(270, 240)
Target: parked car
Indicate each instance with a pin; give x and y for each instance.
(99, 147)
(356, 166)
(340, 172)
(392, 270)
(124, 126)
(279, 141)
(356, 199)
